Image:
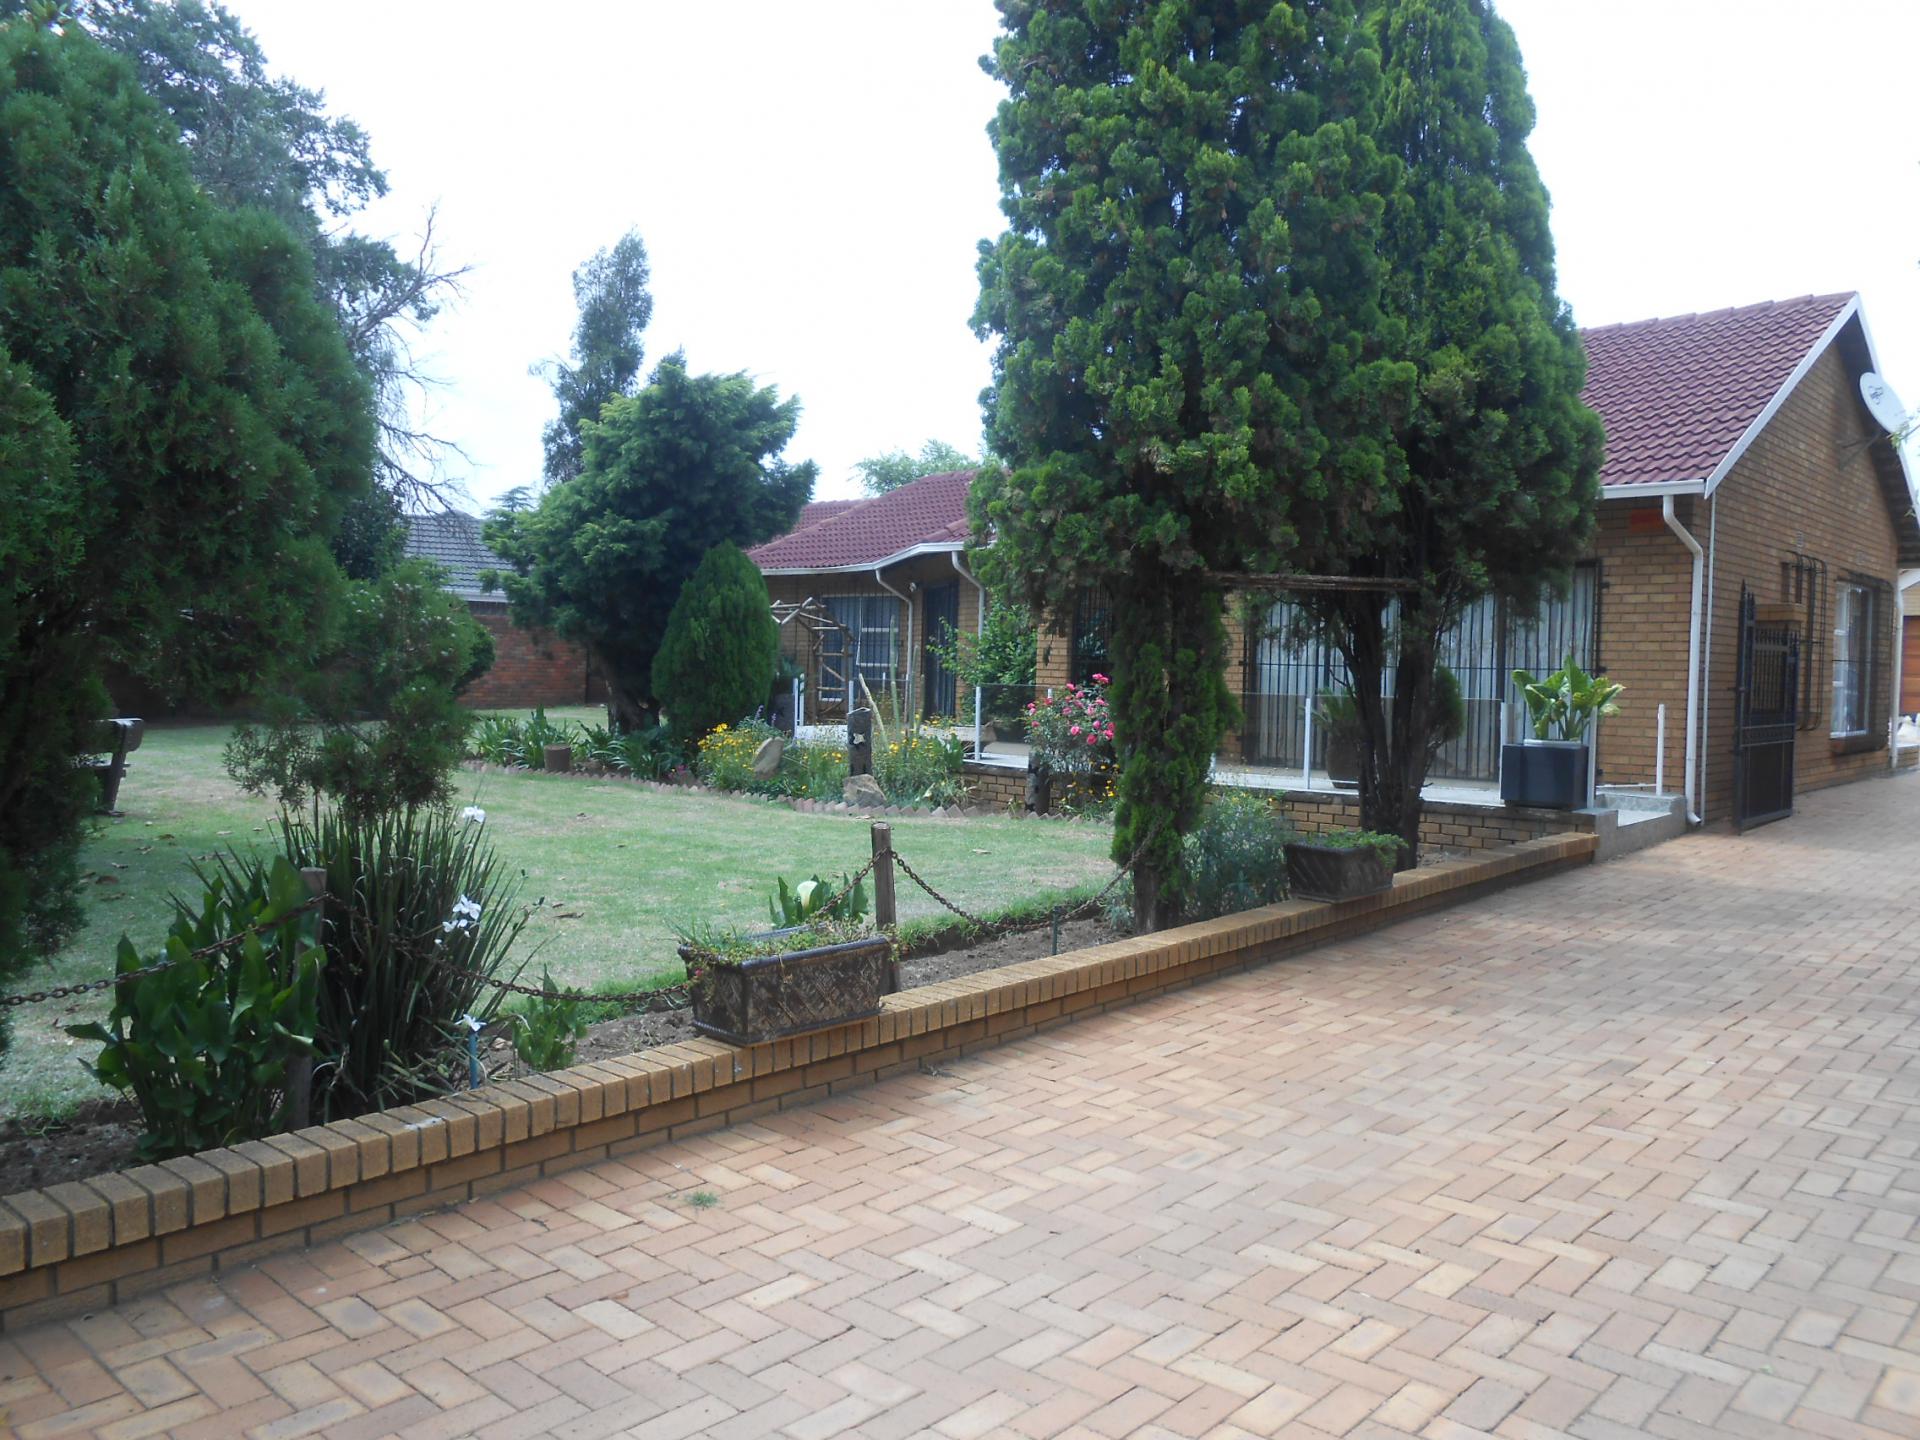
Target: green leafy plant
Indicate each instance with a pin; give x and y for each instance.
(1387, 847)
(540, 732)
(499, 740)
(816, 899)
(1234, 859)
(1567, 701)
(648, 753)
(546, 1035)
(421, 914)
(1001, 660)
(205, 1045)
(917, 762)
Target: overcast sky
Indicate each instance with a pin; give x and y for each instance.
(811, 181)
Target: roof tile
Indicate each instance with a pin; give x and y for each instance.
(929, 511)
(1677, 394)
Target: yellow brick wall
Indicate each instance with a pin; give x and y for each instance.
(1807, 484)
(1644, 612)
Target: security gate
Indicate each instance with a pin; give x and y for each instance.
(1766, 715)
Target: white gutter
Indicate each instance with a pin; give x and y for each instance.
(1693, 656)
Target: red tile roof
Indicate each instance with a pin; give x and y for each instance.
(930, 511)
(814, 511)
(1676, 395)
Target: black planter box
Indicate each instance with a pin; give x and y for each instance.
(1321, 872)
(1546, 775)
(771, 996)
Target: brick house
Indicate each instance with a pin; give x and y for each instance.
(878, 577)
(1748, 501)
(530, 667)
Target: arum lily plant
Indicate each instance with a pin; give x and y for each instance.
(1567, 701)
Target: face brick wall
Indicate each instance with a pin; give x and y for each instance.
(1808, 485)
(530, 667)
(1644, 610)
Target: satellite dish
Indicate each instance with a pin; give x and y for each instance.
(1882, 403)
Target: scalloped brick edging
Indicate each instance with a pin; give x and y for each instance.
(81, 1245)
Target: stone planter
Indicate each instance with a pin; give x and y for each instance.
(1545, 774)
(771, 996)
(557, 757)
(1324, 872)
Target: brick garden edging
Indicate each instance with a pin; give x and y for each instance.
(81, 1245)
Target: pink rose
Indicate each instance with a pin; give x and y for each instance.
(1073, 730)
(1100, 680)
(1093, 739)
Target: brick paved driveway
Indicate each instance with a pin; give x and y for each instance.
(1632, 1152)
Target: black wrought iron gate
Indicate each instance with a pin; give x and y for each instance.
(1766, 703)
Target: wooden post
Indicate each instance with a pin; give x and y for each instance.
(300, 1067)
(884, 915)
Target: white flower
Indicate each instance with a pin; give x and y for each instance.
(474, 1025)
(474, 815)
(466, 914)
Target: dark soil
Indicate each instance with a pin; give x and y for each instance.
(100, 1135)
(97, 1137)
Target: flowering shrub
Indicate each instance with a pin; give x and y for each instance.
(725, 760)
(1072, 730)
(920, 765)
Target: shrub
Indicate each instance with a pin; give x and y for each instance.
(813, 770)
(1001, 660)
(646, 754)
(1072, 730)
(920, 764)
(376, 725)
(546, 1035)
(725, 757)
(539, 732)
(1234, 859)
(204, 1046)
(499, 740)
(419, 909)
(716, 657)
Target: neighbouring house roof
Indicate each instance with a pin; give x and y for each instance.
(452, 540)
(1679, 395)
(925, 515)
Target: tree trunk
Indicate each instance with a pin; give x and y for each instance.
(1394, 748)
(1170, 706)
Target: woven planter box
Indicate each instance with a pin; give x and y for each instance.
(1321, 872)
(771, 996)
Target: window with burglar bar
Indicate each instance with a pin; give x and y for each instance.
(867, 648)
(1854, 656)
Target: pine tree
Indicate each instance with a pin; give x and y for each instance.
(716, 658)
(1500, 484)
(1191, 358)
(615, 305)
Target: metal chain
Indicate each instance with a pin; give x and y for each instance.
(664, 998)
(62, 992)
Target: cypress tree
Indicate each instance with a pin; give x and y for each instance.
(1500, 484)
(1192, 365)
(716, 658)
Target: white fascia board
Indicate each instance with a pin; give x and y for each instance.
(1760, 421)
(1652, 489)
(934, 547)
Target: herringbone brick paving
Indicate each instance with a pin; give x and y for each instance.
(1631, 1152)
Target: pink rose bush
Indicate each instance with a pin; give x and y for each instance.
(1072, 729)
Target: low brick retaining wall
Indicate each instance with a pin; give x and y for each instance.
(82, 1245)
(1443, 825)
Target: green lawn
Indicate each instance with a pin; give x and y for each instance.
(618, 866)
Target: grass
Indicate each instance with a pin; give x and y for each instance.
(613, 866)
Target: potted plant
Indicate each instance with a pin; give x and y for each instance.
(1341, 864)
(1549, 768)
(820, 968)
(780, 701)
(1339, 717)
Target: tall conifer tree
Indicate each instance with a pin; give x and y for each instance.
(1192, 364)
(1502, 459)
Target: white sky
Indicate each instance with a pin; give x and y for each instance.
(811, 181)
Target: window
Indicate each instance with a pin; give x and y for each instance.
(866, 648)
(1092, 628)
(1853, 658)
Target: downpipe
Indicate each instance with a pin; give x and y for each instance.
(1693, 656)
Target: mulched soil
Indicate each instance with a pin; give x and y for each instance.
(100, 1135)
